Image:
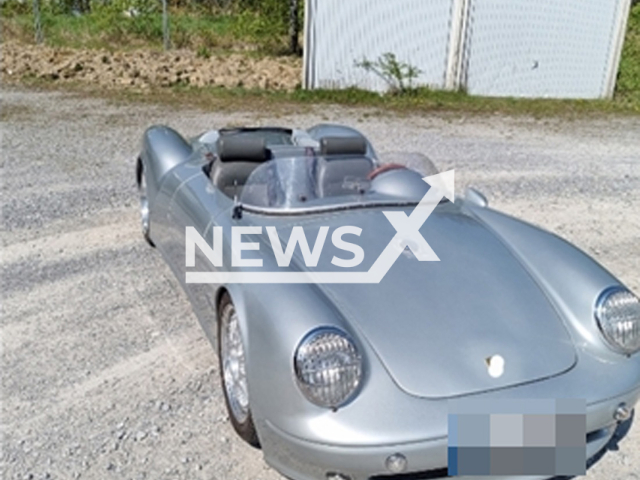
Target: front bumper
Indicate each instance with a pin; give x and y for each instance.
(300, 459)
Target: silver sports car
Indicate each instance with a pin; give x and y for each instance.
(352, 301)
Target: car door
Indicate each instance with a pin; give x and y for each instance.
(196, 203)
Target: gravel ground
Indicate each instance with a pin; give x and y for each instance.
(105, 373)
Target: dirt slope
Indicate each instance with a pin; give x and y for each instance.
(143, 68)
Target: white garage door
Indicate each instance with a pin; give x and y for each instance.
(542, 48)
(340, 33)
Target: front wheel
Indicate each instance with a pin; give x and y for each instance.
(233, 371)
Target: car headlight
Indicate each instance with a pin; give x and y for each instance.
(618, 316)
(328, 367)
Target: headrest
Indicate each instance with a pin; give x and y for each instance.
(343, 146)
(242, 148)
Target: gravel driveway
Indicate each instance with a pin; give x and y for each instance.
(105, 372)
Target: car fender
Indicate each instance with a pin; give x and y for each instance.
(274, 319)
(163, 148)
(570, 278)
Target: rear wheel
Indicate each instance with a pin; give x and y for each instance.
(233, 371)
(144, 203)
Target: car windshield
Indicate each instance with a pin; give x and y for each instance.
(303, 184)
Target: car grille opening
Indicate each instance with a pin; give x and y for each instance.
(427, 475)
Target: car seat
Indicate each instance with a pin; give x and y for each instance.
(238, 156)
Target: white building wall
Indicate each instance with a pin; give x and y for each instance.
(522, 48)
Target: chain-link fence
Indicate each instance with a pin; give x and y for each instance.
(279, 16)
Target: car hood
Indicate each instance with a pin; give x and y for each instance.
(435, 325)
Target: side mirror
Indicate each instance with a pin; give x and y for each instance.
(473, 196)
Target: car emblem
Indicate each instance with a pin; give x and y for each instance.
(495, 365)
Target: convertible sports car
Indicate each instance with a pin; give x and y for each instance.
(350, 302)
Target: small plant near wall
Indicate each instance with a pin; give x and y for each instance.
(398, 75)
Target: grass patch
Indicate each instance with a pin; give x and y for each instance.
(628, 81)
(113, 30)
(423, 99)
(281, 103)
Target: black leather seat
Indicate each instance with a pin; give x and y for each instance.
(343, 162)
(238, 156)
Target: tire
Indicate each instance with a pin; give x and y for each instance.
(231, 355)
(144, 203)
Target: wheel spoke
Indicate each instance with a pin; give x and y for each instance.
(144, 206)
(233, 364)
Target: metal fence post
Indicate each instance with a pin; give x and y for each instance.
(165, 25)
(37, 23)
(294, 27)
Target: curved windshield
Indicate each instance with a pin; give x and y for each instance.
(303, 184)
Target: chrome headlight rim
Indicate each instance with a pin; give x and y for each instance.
(599, 312)
(305, 388)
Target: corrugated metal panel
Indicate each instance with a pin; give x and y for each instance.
(342, 32)
(546, 48)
